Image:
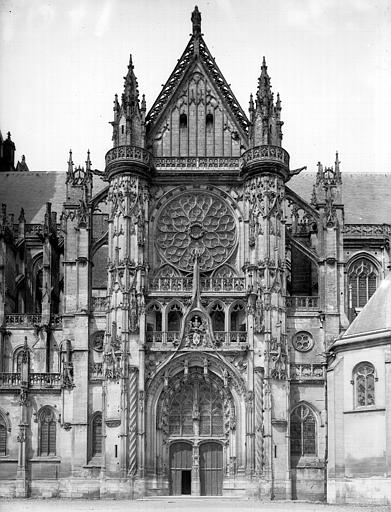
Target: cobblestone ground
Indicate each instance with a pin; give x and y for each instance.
(178, 505)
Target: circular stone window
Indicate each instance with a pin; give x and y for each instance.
(196, 221)
(303, 341)
(97, 340)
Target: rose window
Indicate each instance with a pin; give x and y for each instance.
(198, 222)
(303, 341)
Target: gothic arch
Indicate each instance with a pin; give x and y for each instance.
(17, 354)
(47, 431)
(5, 416)
(225, 270)
(304, 435)
(209, 367)
(363, 273)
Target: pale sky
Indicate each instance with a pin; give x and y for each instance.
(62, 61)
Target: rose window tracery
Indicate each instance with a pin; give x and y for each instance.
(196, 221)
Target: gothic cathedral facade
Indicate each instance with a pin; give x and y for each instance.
(167, 333)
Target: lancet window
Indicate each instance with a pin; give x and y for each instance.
(303, 431)
(3, 435)
(217, 316)
(362, 281)
(47, 432)
(364, 384)
(96, 434)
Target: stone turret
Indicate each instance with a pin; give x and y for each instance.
(129, 117)
(266, 116)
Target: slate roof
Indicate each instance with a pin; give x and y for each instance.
(366, 196)
(375, 317)
(32, 190)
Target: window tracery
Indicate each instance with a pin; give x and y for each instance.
(3, 435)
(364, 384)
(96, 434)
(303, 341)
(47, 432)
(303, 431)
(362, 281)
(196, 408)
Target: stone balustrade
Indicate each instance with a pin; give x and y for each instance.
(36, 380)
(9, 380)
(377, 230)
(302, 303)
(171, 339)
(306, 371)
(21, 320)
(131, 153)
(185, 284)
(196, 163)
(265, 154)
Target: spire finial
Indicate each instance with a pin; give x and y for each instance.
(196, 21)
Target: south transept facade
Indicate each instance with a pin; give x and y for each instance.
(165, 322)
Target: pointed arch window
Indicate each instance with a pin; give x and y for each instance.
(362, 280)
(217, 315)
(183, 121)
(364, 384)
(3, 436)
(154, 318)
(303, 431)
(174, 318)
(238, 317)
(47, 432)
(96, 435)
(209, 121)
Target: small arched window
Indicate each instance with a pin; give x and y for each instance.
(238, 317)
(362, 281)
(174, 318)
(183, 121)
(3, 436)
(209, 121)
(303, 431)
(47, 432)
(217, 316)
(154, 318)
(96, 435)
(364, 384)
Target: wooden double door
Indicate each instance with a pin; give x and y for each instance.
(183, 473)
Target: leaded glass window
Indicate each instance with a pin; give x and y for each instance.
(303, 431)
(196, 403)
(3, 436)
(364, 384)
(96, 435)
(362, 280)
(47, 432)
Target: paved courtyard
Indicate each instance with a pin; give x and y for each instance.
(176, 504)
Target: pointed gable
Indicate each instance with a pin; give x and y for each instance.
(196, 113)
(374, 318)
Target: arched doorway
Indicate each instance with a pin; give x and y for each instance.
(211, 469)
(180, 468)
(195, 417)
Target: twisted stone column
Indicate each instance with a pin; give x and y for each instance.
(259, 446)
(133, 399)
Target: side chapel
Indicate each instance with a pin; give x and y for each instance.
(165, 323)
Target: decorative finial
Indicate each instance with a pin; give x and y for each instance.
(130, 66)
(9, 135)
(196, 20)
(143, 104)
